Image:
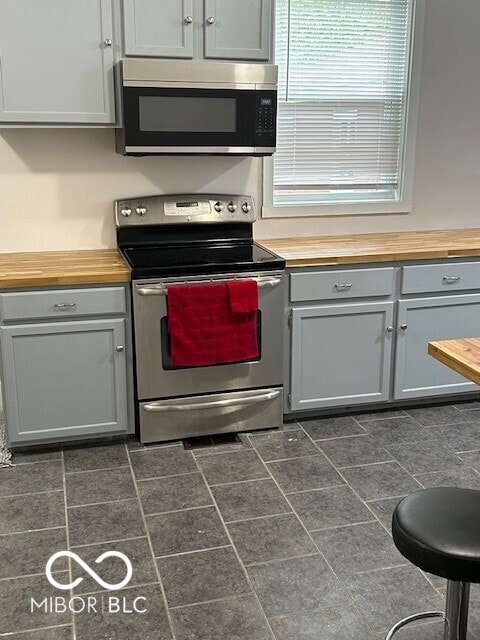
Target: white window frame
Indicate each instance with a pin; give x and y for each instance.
(401, 205)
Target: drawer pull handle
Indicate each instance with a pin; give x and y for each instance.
(230, 402)
(343, 286)
(65, 306)
(451, 279)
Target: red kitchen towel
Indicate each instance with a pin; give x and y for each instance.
(243, 296)
(203, 328)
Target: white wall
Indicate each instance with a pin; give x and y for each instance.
(57, 186)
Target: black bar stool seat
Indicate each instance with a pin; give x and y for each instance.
(438, 530)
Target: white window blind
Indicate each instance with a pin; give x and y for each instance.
(343, 90)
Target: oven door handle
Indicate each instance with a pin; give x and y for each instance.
(262, 397)
(161, 289)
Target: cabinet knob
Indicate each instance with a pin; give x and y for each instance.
(210, 20)
(390, 328)
(120, 348)
(188, 20)
(108, 42)
(404, 326)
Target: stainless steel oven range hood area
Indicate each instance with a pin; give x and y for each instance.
(197, 108)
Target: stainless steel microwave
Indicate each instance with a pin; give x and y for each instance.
(197, 108)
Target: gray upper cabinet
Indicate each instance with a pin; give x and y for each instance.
(159, 28)
(64, 380)
(56, 61)
(418, 375)
(340, 355)
(238, 30)
(215, 29)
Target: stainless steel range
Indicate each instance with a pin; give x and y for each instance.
(185, 240)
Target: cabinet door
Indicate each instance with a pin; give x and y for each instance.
(54, 64)
(159, 28)
(417, 374)
(64, 380)
(238, 30)
(341, 355)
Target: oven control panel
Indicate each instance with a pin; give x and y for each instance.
(175, 209)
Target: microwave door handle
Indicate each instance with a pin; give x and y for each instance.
(230, 402)
(161, 289)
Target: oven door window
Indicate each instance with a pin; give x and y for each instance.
(189, 117)
(166, 350)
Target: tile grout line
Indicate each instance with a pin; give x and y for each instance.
(224, 484)
(81, 506)
(23, 531)
(163, 513)
(94, 544)
(129, 587)
(157, 571)
(96, 504)
(275, 560)
(296, 493)
(28, 462)
(87, 471)
(67, 533)
(174, 475)
(25, 631)
(364, 464)
(270, 515)
(215, 600)
(31, 493)
(242, 565)
(120, 466)
(31, 575)
(187, 553)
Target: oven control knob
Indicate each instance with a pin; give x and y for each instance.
(141, 210)
(126, 212)
(246, 208)
(218, 206)
(232, 207)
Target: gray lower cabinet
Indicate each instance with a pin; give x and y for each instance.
(341, 354)
(56, 61)
(418, 375)
(214, 29)
(159, 28)
(64, 380)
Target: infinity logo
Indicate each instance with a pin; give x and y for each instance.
(93, 574)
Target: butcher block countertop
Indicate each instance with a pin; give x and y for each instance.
(44, 268)
(376, 247)
(461, 355)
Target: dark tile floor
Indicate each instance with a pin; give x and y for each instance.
(283, 536)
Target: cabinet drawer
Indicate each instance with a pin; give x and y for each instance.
(62, 303)
(459, 276)
(346, 283)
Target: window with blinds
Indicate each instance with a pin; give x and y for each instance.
(342, 103)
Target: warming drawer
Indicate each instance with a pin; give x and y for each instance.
(179, 418)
